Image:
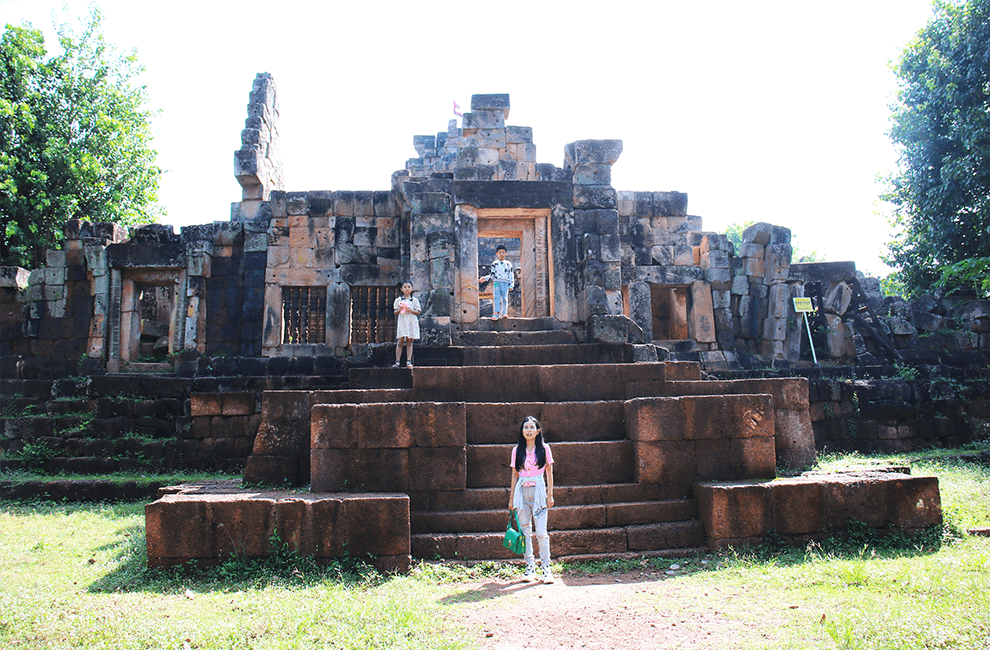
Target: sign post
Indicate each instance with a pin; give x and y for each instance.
(803, 306)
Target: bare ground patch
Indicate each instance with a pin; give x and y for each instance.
(614, 611)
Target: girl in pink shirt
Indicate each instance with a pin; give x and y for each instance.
(530, 495)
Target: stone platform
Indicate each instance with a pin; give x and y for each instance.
(209, 522)
(651, 458)
(812, 506)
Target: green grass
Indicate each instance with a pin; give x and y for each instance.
(171, 478)
(75, 576)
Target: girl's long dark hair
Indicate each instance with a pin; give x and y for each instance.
(541, 453)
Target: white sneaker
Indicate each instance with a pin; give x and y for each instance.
(530, 575)
(547, 577)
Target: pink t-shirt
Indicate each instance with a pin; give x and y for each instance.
(529, 467)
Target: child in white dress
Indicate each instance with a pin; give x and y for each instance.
(407, 310)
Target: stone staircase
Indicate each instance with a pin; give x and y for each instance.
(94, 425)
(514, 332)
(599, 510)
(604, 506)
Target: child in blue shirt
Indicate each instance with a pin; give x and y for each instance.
(504, 280)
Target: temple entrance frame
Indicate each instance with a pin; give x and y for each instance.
(531, 227)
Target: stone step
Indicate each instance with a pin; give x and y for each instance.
(639, 539)
(562, 517)
(72, 405)
(521, 337)
(79, 490)
(148, 368)
(514, 324)
(546, 383)
(498, 423)
(685, 345)
(104, 466)
(18, 406)
(576, 463)
(509, 353)
(546, 355)
(144, 386)
(497, 498)
(83, 426)
(28, 388)
(163, 409)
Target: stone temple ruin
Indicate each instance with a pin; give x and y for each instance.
(262, 343)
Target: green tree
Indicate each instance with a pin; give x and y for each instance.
(940, 193)
(75, 139)
(734, 232)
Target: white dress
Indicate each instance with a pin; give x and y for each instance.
(407, 324)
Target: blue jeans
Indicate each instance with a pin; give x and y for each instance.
(500, 299)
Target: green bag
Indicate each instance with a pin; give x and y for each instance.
(514, 539)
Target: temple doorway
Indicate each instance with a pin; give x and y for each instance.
(524, 234)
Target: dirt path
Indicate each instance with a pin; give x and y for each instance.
(618, 612)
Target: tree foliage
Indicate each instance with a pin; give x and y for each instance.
(75, 139)
(940, 193)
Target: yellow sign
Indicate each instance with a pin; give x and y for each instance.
(803, 305)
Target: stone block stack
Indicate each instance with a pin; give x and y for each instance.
(811, 507)
(484, 148)
(664, 250)
(715, 259)
(761, 294)
(65, 303)
(594, 230)
(13, 285)
(328, 239)
(940, 327)
(258, 163)
(433, 263)
(655, 228)
(209, 524)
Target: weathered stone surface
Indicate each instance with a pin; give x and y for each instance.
(595, 152)
(207, 526)
(593, 174)
(518, 134)
(670, 204)
(391, 425)
(606, 328)
(823, 271)
(730, 511)
(811, 505)
(496, 102)
(838, 298)
(798, 508)
(594, 196)
(701, 318)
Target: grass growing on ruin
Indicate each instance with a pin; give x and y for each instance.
(74, 576)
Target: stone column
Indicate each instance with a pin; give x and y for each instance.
(641, 307)
(598, 250)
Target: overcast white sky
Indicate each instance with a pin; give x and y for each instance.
(768, 111)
